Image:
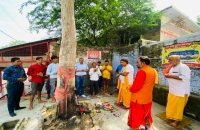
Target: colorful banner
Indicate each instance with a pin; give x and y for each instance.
(189, 53)
(95, 55)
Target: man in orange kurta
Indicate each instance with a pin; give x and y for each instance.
(141, 95)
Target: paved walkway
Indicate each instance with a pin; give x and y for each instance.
(116, 120)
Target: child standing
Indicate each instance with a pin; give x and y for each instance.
(94, 77)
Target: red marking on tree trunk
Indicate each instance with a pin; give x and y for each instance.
(65, 74)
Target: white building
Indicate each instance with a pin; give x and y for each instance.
(175, 24)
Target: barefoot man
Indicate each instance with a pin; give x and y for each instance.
(179, 89)
(52, 70)
(37, 72)
(125, 82)
(106, 74)
(142, 94)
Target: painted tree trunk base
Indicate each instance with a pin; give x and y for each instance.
(68, 108)
(73, 119)
(71, 103)
(77, 122)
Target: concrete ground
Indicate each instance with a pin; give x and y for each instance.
(33, 116)
(107, 120)
(117, 120)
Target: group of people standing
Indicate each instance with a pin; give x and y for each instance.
(39, 73)
(135, 93)
(15, 76)
(98, 75)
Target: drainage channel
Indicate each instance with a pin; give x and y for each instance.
(9, 125)
(46, 119)
(14, 125)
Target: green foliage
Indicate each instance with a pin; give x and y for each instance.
(198, 20)
(46, 15)
(14, 43)
(98, 22)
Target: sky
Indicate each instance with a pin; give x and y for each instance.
(188, 7)
(16, 25)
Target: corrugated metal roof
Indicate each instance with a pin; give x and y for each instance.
(29, 43)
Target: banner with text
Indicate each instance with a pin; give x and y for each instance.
(189, 53)
(94, 55)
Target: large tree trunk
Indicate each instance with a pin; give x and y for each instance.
(67, 59)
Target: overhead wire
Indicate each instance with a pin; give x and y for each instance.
(14, 20)
(7, 34)
(12, 28)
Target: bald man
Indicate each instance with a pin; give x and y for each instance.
(179, 89)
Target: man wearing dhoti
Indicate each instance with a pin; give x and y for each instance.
(179, 89)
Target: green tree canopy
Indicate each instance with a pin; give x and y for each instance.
(14, 43)
(198, 20)
(98, 22)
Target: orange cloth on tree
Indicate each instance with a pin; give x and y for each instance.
(65, 75)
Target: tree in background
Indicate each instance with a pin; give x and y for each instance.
(198, 20)
(14, 43)
(98, 22)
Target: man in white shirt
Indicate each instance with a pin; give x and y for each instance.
(179, 89)
(81, 69)
(94, 77)
(125, 82)
(100, 75)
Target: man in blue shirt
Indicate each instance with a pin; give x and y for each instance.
(81, 69)
(100, 76)
(15, 76)
(52, 71)
(118, 70)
